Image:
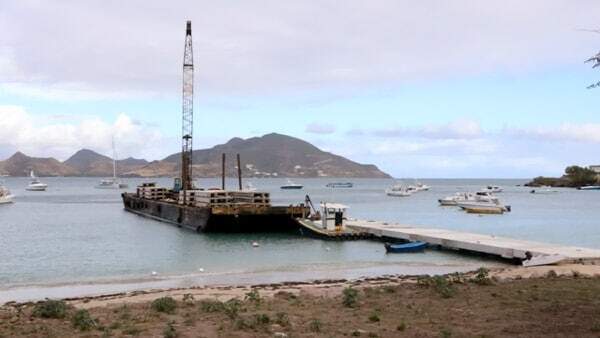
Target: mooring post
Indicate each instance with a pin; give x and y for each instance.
(223, 171)
(239, 165)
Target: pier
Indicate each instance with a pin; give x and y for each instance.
(503, 247)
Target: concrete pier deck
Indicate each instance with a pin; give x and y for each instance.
(488, 244)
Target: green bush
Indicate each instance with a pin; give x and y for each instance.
(83, 321)
(374, 317)
(212, 306)
(232, 308)
(350, 297)
(50, 309)
(169, 331)
(482, 277)
(164, 304)
(253, 296)
(281, 318)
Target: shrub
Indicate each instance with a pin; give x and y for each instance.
(83, 321)
(50, 309)
(188, 299)
(443, 287)
(212, 306)
(482, 277)
(401, 327)
(282, 319)
(374, 317)
(315, 325)
(169, 331)
(253, 296)
(349, 297)
(232, 308)
(164, 304)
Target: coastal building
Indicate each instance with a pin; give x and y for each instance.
(595, 168)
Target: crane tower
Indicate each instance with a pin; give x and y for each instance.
(187, 110)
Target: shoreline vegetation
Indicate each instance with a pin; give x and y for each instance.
(574, 177)
(561, 300)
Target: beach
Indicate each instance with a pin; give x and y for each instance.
(551, 301)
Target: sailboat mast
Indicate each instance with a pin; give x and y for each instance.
(114, 159)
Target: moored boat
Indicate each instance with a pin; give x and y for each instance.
(405, 247)
(291, 185)
(480, 196)
(589, 187)
(35, 184)
(493, 189)
(400, 190)
(5, 195)
(339, 185)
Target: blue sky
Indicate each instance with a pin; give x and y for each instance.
(429, 90)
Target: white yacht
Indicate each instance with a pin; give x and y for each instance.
(113, 182)
(5, 195)
(421, 186)
(480, 196)
(492, 189)
(399, 190)
(35, 184)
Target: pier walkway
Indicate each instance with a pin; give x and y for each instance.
(488, 244)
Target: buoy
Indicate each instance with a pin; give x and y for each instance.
(201, 269)
(154, 273)
(255, 244)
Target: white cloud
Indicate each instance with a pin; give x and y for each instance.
(20, 130)
(584, 132)
(320, 128)
(458, 129)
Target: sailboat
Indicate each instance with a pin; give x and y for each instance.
(113, 182)
(35, 184)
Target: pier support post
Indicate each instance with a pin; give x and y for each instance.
(223, 171)
(239, 165)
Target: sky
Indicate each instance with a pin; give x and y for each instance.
(421, 89)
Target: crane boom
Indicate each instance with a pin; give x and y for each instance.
(187, 110)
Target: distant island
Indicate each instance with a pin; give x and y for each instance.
(574, 177)
(271, 155)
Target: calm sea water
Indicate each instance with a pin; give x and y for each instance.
(74, 234)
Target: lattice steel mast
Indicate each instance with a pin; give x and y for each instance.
(188, 110)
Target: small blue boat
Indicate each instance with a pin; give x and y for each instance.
(405, 247)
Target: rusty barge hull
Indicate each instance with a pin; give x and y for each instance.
(228, 218)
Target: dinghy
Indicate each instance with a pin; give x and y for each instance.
(405, 247)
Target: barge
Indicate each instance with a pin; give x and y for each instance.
(214, 210)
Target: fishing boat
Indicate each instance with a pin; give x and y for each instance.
(35, 184)
(291, 185)
(589, 187)
(405, 247)
(112, 182)
(5, 195)
(399, 190)
(339, 185)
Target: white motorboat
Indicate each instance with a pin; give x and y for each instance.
(339, 185)
(492, 189)
(113, 182)
(35, 184)
(421, 187)
(400, 190)
(485, 205)
(291, 185)
(543, 190)
(5, 195)
(480, 196)
(589, 187)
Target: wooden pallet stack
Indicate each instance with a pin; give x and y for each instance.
(151, 191)
(205, 198)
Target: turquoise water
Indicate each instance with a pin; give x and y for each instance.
(75, 234)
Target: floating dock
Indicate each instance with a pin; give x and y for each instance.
(503, 247)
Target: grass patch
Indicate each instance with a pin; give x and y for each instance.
(83, 321)
(350, 297)
(401, 327)
(281, 318)
(440, 284)
(253, 296)
(211, 306)
(50, 309)
(164, 304)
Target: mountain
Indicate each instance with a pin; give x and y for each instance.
(272, 155)
(275, 155)
(90, 163)
(20, 164)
